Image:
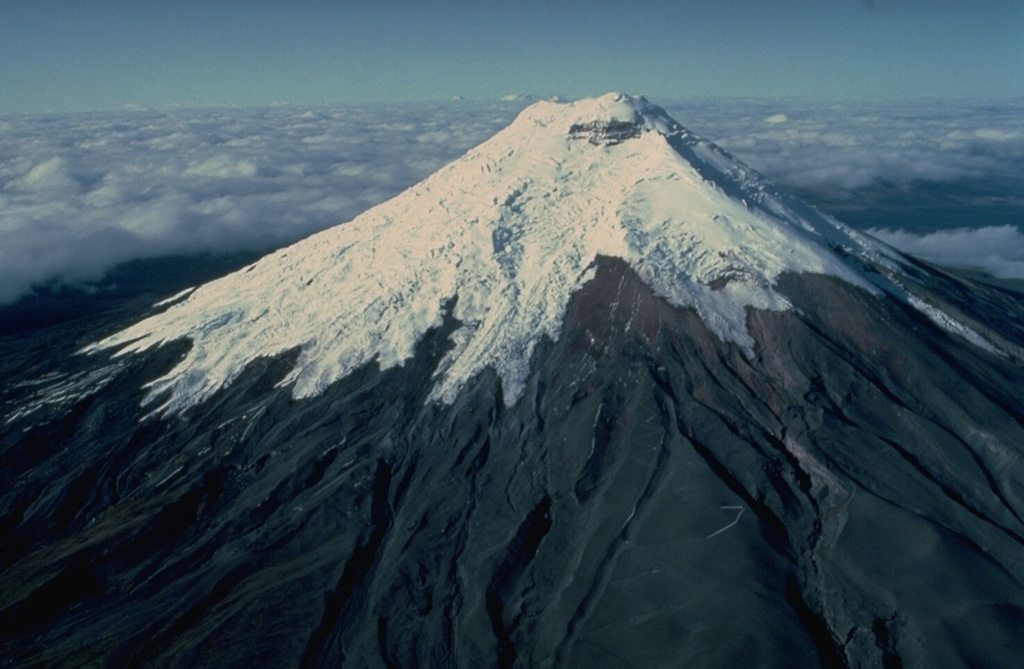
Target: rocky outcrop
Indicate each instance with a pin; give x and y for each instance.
(607, 133)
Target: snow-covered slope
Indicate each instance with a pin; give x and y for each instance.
(509, 232)
(819, 453)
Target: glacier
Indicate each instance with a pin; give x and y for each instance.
(500, 240)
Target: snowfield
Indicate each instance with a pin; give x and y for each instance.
(509, 232)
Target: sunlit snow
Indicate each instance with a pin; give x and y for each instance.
(511, 229)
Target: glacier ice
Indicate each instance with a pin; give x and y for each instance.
(511, 229)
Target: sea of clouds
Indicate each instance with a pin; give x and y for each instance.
(81, 193)
(844, 148)
(849, 145)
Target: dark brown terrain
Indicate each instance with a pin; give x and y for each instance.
(849, 495)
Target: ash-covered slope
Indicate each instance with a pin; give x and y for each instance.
(594, 395)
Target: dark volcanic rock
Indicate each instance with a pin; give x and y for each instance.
(850, 494)
(605, 133)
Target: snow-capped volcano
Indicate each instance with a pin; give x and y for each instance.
(595, 394)
(507, 234)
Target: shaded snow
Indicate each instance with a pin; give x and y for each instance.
(512, 229)
(58, 390)
(951, 325)
(174, 298)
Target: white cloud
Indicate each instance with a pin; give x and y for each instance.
(80, 193)
(49, 175)
(849, 145)
(997, 250)
(221, 166)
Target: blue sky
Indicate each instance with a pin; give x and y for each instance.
(80, 55)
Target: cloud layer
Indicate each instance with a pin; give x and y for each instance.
(997, 250)
(849, 145)
(81, 193)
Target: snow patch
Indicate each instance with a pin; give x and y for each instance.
(951, 325)
(59, 390)
(174, 298)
